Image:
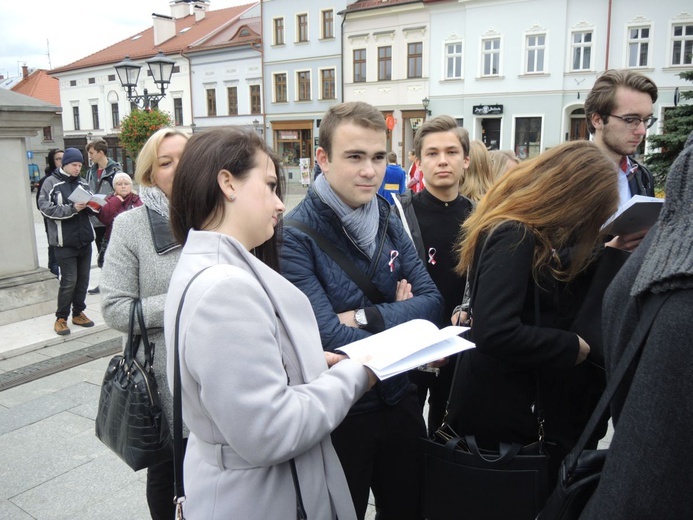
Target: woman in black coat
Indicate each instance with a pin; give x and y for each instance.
(527, 247)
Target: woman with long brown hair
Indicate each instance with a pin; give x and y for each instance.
(528, 246)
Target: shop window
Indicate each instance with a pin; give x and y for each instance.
(527, 137)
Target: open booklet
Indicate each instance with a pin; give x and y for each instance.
(638, 214)
(407, 346)
(80, 195)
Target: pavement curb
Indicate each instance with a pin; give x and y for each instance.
(76, 335)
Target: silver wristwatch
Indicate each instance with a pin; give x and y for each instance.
(360, 318)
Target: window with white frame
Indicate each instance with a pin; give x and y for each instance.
(359, 65)
(211, 102)
(328, 23)
(302, 27)
(95, 116)
(415, 60)
(280, 92)
(527, 137)
(490, 56)
(115, 115)
(385, 63)
(279, 31)
(682, 44)
(536, 49)
(638, 46)
(327, 84)
(232, 100)
(303, 84)
(581, 48)
(255, 99)
(75, 118)
(453, 60)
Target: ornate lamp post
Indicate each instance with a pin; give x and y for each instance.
(425, 102)
(161, 69)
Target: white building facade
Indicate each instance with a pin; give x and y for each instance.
(515, 73)
(302, 76)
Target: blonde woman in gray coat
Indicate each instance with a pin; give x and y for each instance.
(256, 388)
(140, 259)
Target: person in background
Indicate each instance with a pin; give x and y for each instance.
(619, 110)
(55, 162)
(415, 180)
(100, 178)
(433, 218)
(378, 441)
(478, 177)
(502, 161)
(142, 254)
(70, 233)
(651, 412)
(553, 202)
(122, 199)
(257, 393)
(394, 180)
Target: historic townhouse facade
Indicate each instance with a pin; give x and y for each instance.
(387, 62)
(516, 73)
(302, 49)
(93, 101)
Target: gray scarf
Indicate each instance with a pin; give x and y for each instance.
(155, 199)
(668, 264)
(361, 223)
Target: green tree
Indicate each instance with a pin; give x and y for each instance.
(675, 129)
(138, 126)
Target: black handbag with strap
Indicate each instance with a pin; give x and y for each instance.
(581, 469)
(130, 419)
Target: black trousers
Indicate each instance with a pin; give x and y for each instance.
(161, 489)
(379, 450)
(75, 267)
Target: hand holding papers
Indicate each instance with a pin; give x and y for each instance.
(407, 346)
(638, 214)
(82, 196)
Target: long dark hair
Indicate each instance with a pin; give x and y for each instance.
(196, 198)
(51, 161)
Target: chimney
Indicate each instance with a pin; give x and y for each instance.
(164, 28)
(179, 8)
(200, 8)
(25, 71)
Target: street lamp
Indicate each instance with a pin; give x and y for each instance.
(256, 125)
(161, 69)
(425, 102)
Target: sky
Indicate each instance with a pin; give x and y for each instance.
(72, 29)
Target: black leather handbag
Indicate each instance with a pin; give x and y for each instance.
(581, 470)
(130, 420)
(461, 480)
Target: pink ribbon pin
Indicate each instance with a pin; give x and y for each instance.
(393, 254)
(432, 256)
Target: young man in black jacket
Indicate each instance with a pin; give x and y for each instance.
(433, 218)
(71, 234)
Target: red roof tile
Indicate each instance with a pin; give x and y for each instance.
(40, 85)
(141, 45)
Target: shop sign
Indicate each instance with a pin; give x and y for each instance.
(486, 110)
(289, 135)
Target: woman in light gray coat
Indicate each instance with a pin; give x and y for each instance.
(256, 389)
(140, 259)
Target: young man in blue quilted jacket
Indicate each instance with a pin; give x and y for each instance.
(378, 441)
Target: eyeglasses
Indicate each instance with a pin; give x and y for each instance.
(633, 122)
